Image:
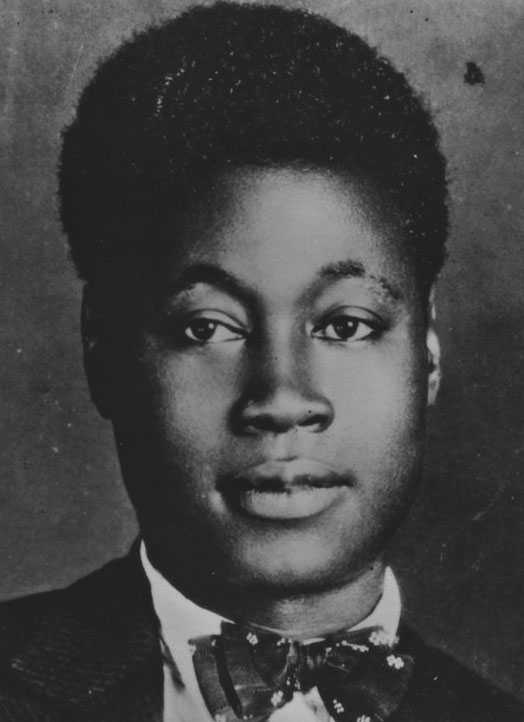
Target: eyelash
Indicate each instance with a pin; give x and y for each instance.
(319, 331)
(236, 333)
(372, 328)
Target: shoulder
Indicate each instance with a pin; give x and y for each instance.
(444, 689)
(89, 603)
(75, 646)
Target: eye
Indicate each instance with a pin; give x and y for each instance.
(344, 328)
(208, 330)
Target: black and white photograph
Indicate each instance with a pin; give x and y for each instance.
(262, 328)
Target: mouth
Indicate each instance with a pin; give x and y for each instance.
(284, 489)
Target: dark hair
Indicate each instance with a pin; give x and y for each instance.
(243, 84)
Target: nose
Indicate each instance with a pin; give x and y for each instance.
(281, 395)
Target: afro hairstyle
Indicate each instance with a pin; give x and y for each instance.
(236, 84)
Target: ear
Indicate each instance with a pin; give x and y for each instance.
(97, 352)
(433, 352)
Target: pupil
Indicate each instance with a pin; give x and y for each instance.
(203, 329)
(345, 327)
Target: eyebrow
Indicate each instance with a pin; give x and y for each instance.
(214, 276)
(229, 283)
(355, 269)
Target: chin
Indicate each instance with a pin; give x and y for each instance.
(294, 567)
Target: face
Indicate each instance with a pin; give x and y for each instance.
(269, 417)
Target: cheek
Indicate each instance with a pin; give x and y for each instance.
(172, 430)
(188, 402)
(380, 402)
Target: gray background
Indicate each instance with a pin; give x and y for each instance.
(63, 510)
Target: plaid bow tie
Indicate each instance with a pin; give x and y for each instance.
(246, 673)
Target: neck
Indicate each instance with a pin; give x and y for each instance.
(304, 615)
(316, 613)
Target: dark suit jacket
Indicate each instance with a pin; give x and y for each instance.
(90, 653)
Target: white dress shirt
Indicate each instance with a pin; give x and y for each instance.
(181, 619)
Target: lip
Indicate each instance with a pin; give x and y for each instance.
(285, 489)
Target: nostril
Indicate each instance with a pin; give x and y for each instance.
(314, 421)
(281, 411)
(267, 422)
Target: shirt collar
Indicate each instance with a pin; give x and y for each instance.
(181, 619)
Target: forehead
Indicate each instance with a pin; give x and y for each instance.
(281, 228)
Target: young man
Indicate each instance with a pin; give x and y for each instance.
(257, 205)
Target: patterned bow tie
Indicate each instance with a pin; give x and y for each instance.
(246, 673)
